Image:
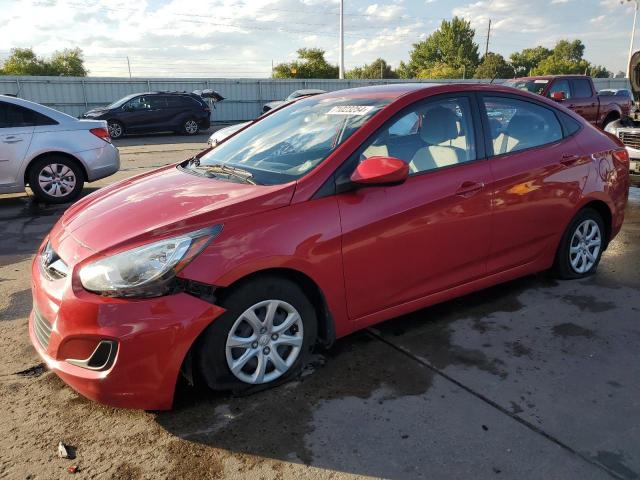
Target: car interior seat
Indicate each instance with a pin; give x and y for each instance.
(439, 126)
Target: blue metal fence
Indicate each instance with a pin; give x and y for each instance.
(244, 97)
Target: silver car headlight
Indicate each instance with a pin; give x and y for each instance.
(145, 271)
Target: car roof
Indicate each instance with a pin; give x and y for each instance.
(56, 115)
(551, 77)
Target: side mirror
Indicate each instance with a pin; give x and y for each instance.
(377, 171)
(559, 96)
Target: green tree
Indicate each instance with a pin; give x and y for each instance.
(310, 64)
(450, 48)
(24, 61)
(493, 65)
(525, 61)
(598, 71)
(440, 70)
(68, 63)
(379, 68)
(565, 58)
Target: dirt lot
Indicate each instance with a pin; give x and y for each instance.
(531, 379)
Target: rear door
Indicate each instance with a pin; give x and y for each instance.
(583, 99)
(402, 243)
(16, 132)
(538, 171)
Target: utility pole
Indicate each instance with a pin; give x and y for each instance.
(633, 35)
(486, 48)
(129, 66)
(341, 68)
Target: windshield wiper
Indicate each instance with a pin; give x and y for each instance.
(224, 169)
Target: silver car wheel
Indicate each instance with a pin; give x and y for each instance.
(115, 130)
(585, 246)
(264, 342)
(57, 180)
(191, 127)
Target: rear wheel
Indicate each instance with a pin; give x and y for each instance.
(55, 179)
(581, 246)
(263, 339)
(190, 127)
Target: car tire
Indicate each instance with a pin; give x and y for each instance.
(55, 179)
(581, 246)
(190, 127)
(258, 342)
(116, 129)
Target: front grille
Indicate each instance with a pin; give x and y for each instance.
(42, 329)
(51, 263)
(630, 139)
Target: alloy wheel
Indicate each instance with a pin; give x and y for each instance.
(264, 342)
(191, 127)
(57, 180)
(585, 246)
(115, 130)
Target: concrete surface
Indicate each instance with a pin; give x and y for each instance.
(531, 379)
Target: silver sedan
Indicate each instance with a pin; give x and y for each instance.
(51, 151)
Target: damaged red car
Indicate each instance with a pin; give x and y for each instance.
(326, 216)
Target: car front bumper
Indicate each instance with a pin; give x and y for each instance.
(153, 336)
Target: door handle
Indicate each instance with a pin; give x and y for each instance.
(468, 189)
(12, 139)
(569, 160)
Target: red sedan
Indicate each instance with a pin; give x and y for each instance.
(323, 217)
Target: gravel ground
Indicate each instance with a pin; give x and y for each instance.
(531, 379)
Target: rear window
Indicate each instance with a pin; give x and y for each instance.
(533, 86)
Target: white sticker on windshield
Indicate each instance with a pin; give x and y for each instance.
(541, 81)
(350, 110)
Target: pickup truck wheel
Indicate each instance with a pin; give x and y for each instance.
(55, 179)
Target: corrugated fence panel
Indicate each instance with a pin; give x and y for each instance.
(244, 97)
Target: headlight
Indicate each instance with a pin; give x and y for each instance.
(147, 270)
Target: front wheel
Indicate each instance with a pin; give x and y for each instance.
(581, 246)
(263, 339)
(55, 179)
(116, 129)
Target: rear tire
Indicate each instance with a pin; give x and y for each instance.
(55, 179)
(232, 351)
(190, 127)
(581, 246)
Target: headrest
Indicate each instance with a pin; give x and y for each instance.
(521, 126)
(439, 125)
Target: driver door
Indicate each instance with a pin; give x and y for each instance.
(402, 243)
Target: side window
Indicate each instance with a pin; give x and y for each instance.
(430, 135)
(138, 103)
(156, 102)
(12, 116)
(175, 102)
(560, 85)
(581, 88)
(518, 125)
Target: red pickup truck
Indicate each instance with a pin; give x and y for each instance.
(578, 93)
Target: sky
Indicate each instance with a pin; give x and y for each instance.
(241, 38)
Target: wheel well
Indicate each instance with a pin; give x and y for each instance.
(604, 211)
(326, 329)
(49, 154)
(611, 116)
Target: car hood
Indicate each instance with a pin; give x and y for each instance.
(95, 112)
(158, 204)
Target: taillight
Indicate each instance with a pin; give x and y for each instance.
(102, 133)
(621, 155)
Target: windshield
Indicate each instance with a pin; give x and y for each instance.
(533, 86)
(287, 144)
(122, 101)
